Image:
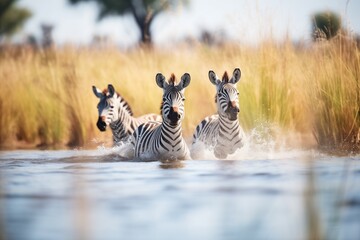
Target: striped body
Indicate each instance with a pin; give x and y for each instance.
(217, 132)
(160, 141)
(116, 113)
(164, 140)
(125, 126)
(222, 131)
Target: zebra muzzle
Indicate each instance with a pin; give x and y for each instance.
(173, 115)
(232, 111)
(101, 124)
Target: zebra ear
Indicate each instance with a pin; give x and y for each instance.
(213, 78)
(185, 81)
(236, 76)
(97, 92)
(111, 90)
(160, 80)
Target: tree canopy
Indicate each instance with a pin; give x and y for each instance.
(326, 24)
(11, 17)
(143, 11)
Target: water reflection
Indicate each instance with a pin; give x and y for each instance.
(171, 164)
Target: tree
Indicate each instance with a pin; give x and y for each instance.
(11, 17)
(143, 11)
(326, 25)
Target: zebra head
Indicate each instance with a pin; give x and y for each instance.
(107, 107)
(172, 106)
(227, 96)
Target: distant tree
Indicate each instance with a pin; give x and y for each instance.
(144, 11)
(11, 17)
(213, 37)
(326, 25)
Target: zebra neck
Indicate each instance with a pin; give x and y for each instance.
(228, 129)
(173, 132)
(124, 125)
(118, 131)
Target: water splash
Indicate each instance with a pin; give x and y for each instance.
(265, 141)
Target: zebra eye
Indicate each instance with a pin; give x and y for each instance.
(164, 99)
(111, 106)
(237, 93)
(219, 94)
(183, 99)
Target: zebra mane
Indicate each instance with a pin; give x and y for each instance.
(172, 79)
(126, 105)
(225, 77)
(105, 92)
(225, 80)
(161, 107)
(122, 100)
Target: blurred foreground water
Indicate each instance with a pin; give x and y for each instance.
(95, 194)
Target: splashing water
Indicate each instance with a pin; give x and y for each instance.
(265, 141)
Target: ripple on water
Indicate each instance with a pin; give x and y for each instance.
(76, 166)
(33, 196)
(253, 190)
(266, 175)
(353, 202)
(171, 188)
(12, 164)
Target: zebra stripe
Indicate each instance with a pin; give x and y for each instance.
(222, 131)
(116, 113)
(164, 140)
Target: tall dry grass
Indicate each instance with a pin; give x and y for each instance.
(46, 97)
(335, 93)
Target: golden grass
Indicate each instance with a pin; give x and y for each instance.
(46, 97)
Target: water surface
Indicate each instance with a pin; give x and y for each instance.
(96, 194)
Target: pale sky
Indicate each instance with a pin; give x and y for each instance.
(248, 21)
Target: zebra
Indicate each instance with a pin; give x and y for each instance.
(222, 131)
(116, 113)
(163, 140)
